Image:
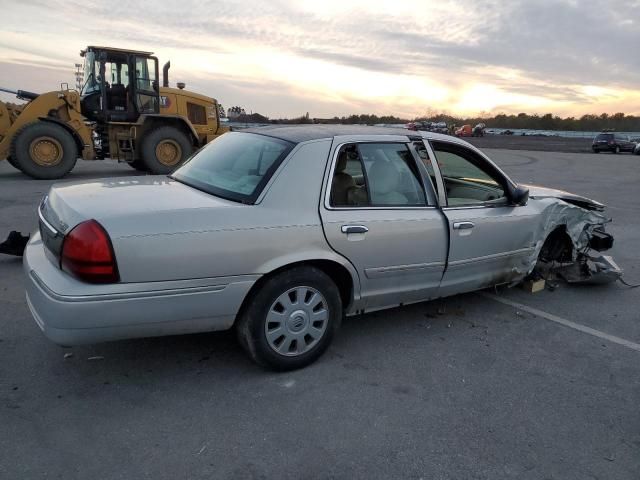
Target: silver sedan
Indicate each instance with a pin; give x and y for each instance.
(279, 232)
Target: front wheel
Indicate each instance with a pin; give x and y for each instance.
(164, 149)
(13, 163)
(291, 320)
(44, 150)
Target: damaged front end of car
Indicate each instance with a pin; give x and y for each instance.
(572, 238)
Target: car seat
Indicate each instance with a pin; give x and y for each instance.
(384, 180)
(342, 181)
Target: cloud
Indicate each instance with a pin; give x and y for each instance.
(286, 57)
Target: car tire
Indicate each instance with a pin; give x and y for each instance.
(44, 150)
(291, 320)
(595, 150)
(164, 149)
(617, 149)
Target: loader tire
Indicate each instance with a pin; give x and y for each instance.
(164, 149)
(13, 163)
(44, 150)
(138, 165)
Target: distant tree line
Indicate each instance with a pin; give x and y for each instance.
(619, 121)
(350, 120)
(252, 118)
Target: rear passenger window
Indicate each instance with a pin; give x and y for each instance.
(376, 175)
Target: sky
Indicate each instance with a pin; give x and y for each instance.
(283, 58)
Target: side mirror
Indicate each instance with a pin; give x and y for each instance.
(519, 195)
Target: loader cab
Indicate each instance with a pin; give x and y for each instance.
(119, 85)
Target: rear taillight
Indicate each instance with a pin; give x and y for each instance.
(87, 254)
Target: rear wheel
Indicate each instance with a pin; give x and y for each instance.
(291, 320)
(138, 165)
(164, 149)
(44, 150)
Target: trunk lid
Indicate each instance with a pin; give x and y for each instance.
(123, 206)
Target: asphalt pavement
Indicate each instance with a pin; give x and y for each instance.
(462, 388)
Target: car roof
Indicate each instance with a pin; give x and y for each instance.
(305, 133)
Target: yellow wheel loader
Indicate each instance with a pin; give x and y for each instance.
(121, 113)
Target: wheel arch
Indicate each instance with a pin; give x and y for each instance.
(345, 278)
(558, 245)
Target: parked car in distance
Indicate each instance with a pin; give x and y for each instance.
(478, 130)
(279, 231)
(464, 131)
(612, 142)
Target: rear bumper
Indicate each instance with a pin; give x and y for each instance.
(603, 148)
(72, 313)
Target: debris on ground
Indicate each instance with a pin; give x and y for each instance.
(596, 270)
(533, 286)
(97, 357)
(68, 355)
(14, 244)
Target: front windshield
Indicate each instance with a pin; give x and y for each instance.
(90, 81)
(235, 166)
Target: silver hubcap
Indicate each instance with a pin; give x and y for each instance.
(296, 321)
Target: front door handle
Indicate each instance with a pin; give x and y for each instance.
(463, 225)
(347, 229)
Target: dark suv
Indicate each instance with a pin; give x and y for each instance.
(612, 142)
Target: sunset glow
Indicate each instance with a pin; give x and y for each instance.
(334, 57)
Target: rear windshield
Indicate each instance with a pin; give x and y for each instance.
(605, 136)
(235, 166)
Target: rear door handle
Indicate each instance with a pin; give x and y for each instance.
(463, 225)
(347, 229)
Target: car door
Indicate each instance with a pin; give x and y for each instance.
(379, 211)
(490, 240)
(147, 97)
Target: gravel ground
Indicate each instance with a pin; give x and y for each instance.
(463, 388)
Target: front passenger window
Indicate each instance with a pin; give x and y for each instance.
(465, 182)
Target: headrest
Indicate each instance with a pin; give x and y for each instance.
(117, 88)
(383, 177)
(341, 164)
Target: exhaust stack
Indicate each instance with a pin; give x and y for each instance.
(165, 74)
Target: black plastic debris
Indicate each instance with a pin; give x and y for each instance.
(14, 244)
(591, 270)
